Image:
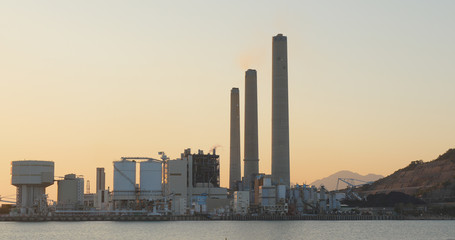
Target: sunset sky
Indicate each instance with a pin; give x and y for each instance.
(83, 83)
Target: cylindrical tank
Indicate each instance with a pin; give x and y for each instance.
(281, 192)
(151, 177)
(124, 177)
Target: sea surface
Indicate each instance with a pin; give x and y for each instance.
(262, 230)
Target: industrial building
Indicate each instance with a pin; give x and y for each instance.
(89, 201)
(102, 196)
(70, 195)
(267, 197)
(189, 185)
(176, 184)
(31, 179)
(193, 183)
(304, 199)
(241, 202)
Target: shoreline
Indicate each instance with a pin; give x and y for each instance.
(75, 218)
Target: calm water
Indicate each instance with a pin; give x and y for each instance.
(263, 230)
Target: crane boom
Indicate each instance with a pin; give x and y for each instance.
(7, 201)
(350, 182)
(138, 158)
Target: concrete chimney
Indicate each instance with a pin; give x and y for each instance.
(251, 157)
(234, 167)
(280, 112)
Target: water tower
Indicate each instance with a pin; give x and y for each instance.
(31, 179)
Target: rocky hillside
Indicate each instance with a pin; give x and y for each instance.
(432, 181)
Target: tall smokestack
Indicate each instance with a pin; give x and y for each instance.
(280, 111)
(234, 168)
(251, 158)
(100, 179)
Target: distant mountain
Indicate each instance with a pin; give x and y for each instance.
(330, 182)
(432, 181)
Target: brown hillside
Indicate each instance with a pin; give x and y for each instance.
(434, 181)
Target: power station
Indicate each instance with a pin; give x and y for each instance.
(189, 185)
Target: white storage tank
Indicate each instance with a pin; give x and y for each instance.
(124, 179)
(151, 178)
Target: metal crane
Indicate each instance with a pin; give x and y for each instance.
(165, 171)
(351, 185)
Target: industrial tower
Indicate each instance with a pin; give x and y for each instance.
(251, 156)
(234, 168)
(280, 112)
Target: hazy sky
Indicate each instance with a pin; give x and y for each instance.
(83, 83)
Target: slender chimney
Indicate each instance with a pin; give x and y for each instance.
(234, 169)
(100, 179)
(280, 112)
(251, 158)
